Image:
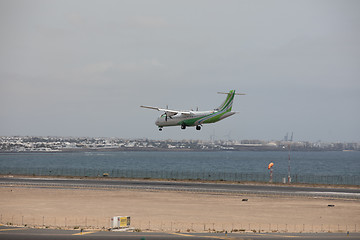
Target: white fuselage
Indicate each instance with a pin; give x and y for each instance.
(174, 120)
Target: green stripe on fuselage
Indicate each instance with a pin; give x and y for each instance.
(191, 122)
(215, 117)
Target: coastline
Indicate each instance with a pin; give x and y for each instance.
(143, 149)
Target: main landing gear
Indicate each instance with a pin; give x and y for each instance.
(183, 126)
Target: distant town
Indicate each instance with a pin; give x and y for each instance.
(70, 144)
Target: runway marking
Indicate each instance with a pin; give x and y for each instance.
(199, 236)
(11, 229)
(276, 235)
(235, 237)
(83, 233)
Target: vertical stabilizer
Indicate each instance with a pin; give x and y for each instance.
(227, 104)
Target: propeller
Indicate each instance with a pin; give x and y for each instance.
(166, 116)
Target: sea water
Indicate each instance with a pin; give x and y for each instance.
(302, 163)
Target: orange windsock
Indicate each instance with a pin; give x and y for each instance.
(270, 165)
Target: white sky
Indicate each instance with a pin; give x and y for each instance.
(83, 68)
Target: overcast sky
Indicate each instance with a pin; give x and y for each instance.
(83, 68)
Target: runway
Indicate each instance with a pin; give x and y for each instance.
(53, 202)
(236, 188)
(12, 233)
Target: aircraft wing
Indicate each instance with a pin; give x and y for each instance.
(168, 112)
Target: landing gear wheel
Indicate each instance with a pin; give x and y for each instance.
(160, 128)
(198, 127)
(183, 126)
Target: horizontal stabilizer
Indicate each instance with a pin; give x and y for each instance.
(228, 93)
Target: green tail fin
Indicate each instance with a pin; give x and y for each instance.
(227, 104)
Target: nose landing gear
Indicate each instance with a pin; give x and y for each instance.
(198, 127)
(160, 128)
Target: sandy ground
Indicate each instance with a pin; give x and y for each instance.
(174, 211)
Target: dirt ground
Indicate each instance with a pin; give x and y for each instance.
(175, 211)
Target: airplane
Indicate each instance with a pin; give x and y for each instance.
(195, 118)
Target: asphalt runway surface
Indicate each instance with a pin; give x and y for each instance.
(111, 184)
(14, 233)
